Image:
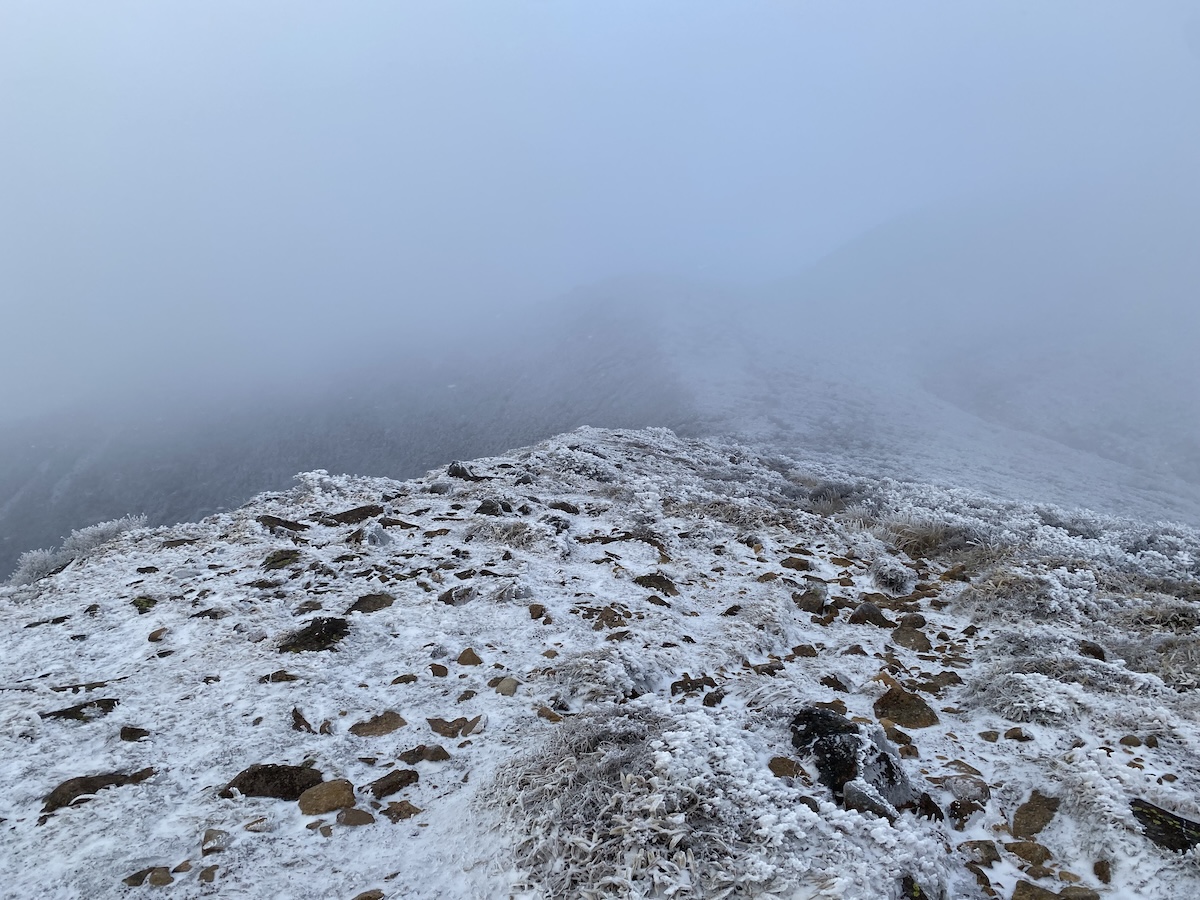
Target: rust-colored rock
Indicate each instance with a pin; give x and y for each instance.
(905, 709)
(327, 797)
(377, 726)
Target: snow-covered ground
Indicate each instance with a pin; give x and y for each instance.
(614, 640)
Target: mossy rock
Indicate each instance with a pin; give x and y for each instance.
(281, 559)
(143, 604)
(319, 634)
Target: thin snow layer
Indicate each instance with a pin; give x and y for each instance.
(640, 614)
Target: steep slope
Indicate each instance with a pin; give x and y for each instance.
(611, 664)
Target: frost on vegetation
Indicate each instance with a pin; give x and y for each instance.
(1027, 697)
(518, 535)
(36, 564)
(892, 575)
(607, 675)
(639, 801)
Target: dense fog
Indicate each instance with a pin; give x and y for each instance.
(931, 240)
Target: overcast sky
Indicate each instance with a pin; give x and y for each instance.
(187, 189)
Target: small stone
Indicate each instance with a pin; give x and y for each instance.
(657, 582)
(507, 686)
(157, 635)
(545, 712)
(185, 866)
(215, 841)
(405, 679)
(905, 709)
(355, 817)
(990, 736)
(804, 651)
(912, 620)
(396, 780)
(326, 797)
(299, 723)
(261, 825)
(371, 603)
(132, 734)
(1102, 869)
(438, 670)
(1017, 734)
(160, 876)
(423, 753)
(1034, 814)
(785, 767)
(208, 874)
(377, 726)
(1131, 740)
(375, 894)
(1078, 892)
(469, 658)
(867, 613)
(1092, 649)
(398, 812)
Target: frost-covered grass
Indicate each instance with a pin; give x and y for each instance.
(36, 564)
(625, 734)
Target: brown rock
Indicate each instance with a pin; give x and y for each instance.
(1078, 892)
(912, 639)
(990, 736)
(185, 866)
(299, 723)
(459, 727)
(405, 679)
(438, 670)
(374, 894)
(797, 564)
(160, 876)
(785, 767)
(905, 709)
(424, 753)
(371, 603)
(1131, 740)
(1034, 814)
(1102, 869)
(536, 610)
(280, 782)
(804, 651)
(1026, 890)
(811, 601)
(398, 812)
(208, 874)
(129, 733)
(507, 686)
(545, 712)
(326, 797)
(71, 790)
(377, 726)
(1017, 734)
(157, 635)
(355, 817)
(396, 780)
(868, 613)
(1030, 851)
(469, 658)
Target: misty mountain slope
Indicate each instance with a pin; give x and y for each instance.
(178, 457)
(612, 664)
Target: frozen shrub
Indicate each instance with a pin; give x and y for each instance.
(37, 564)
(892, 575)
(928, 537)
(830, 497)
(518, 535)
